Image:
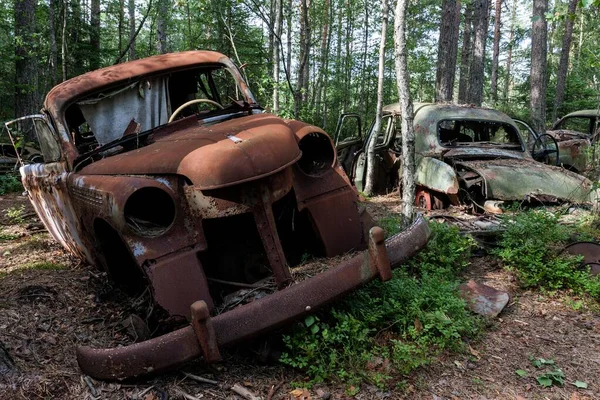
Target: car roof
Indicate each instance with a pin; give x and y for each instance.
(68, 91)
(584, 113)
(440, 111)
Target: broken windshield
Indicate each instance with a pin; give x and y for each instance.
(104, 118)
(461, 132)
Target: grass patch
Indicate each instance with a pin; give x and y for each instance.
(391, 328)
(7, 237)
(10, 184)
(44, 265)
(532, 245)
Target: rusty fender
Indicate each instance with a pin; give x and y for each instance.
(206, 334)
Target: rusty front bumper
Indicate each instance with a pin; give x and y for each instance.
(206, 334)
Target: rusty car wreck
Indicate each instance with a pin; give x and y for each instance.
(196, 203)
(463, 155)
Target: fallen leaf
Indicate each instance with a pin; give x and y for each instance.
(522, 373)
(580, 384)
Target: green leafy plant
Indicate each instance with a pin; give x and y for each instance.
(391, 327)
(556, 377)
(10, 184)
(532, 247)
(16, 215)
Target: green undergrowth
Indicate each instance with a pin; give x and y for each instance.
(10, 184)
(44, 265)
(532, 246)
(387, 329)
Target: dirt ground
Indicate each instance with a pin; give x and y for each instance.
(49, 303)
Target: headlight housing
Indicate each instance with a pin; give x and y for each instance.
(149, 211)
(318, 154)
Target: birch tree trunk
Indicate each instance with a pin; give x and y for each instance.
(371, 165)
(26, 72)
(132, 30)
(465, 57)
(447, 50)
(563, 66)
(476, 71)
(539, 48)
(496, 51)
(408, 134)
(278, 28)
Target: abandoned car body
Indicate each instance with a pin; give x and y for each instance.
(467, 155)
(198, 203)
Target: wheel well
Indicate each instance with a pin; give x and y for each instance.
(117, 259)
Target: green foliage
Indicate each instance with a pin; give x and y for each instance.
(391, 327)
(531, 246)
(45, 265)
(9, 184)
(7, 237)
(15, 214)
(556, 377)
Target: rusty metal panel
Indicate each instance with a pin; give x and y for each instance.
(247, 321)
(46, 186)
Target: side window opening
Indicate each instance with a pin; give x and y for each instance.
(465, 132)
(577, 124)
(33, 140)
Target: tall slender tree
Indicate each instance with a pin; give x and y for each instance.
(371, 164)
(26, 67)
(161, 25)
(511, 39)
(406, 106)
(447, 50)
(466, 54)
(132, 30)
(95, 34)
(561, 75)
(278, 27)
(476, 71)
(539, 33)
(496, 51)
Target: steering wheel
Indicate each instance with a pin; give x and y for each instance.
(543, 154)
(192, 102)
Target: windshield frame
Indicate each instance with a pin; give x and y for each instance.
(487, 145)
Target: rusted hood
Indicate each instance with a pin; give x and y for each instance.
(510, 179)
(214, 156)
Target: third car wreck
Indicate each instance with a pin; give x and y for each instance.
(464, 155)
(196, 204)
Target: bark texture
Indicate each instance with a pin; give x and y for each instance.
(476, 71)
(539, 33)
(52, 38)
(408, 134)
(26, 71)
(95, 34)
(447, 50)
(563, 66)
(278, 28)
(371, 165)
(132, 30)
(466, 52)
(161, 26)
(511, 39)
(496, 51)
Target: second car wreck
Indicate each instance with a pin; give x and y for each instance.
(196, 204)
(465, 155)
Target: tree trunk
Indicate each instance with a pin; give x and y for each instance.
(465, 57)
(161, 26)
(348, 55)
(496, 52)
(121, 23)
(408, 134)
(539, 32)
(26, 73)
(95, 35)
(371, 164)
(511, 38)
(132, 30)
(52, 38)
(303, 64)
(447, 50)
(63, 52)
(326, 60)
(278, 28)
(363, 76)
(476, 71)
(288, 61)
(564, 59)
(322, 63)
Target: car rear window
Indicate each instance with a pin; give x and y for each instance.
(454, 132)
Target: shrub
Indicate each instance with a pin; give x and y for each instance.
(390, 327)
(532, 247)
(10, 184)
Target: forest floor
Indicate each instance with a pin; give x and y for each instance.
(49, 303)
